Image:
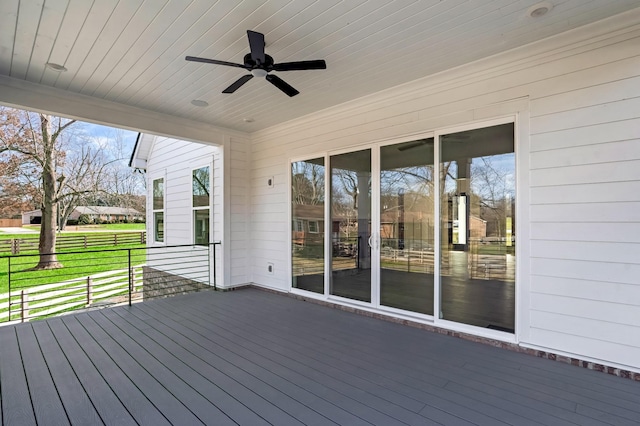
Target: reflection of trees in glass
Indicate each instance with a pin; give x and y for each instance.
(344, 200)
(493, 183)
(415, 179)
(307, 183)
(406, 201)
(307, 204)
(158, 194)
(200, 186)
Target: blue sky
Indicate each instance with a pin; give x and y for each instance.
(102, 135)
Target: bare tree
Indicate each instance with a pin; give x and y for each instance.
(35, 139)
(495, 191)
(120, 185)
(307, 183)
(82, 170)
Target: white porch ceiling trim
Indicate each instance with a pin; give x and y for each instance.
(23, 94)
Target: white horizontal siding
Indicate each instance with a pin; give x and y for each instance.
(589, 134)
(174, 160)
(613, 252)
(598, 231)
(581, 181)
(604, 152)
(618, 212)
(614, 171)
(605, 291)
(607, 192)
(568, 341)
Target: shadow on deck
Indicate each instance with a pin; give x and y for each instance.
(252, 357)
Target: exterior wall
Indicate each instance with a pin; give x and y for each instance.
(239, 217)
(577, 97)
(174, 160)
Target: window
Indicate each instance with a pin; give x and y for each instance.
(158, 210)
(298, 226)
(313, 226)
(201, 201)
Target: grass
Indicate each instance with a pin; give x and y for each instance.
(110, 227)
(76, 264)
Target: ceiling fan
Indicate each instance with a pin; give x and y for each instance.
(260, 64)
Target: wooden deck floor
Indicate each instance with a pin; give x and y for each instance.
(254, 358)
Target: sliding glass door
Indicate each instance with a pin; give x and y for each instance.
(407, 226)
(477, 220)
(307, 224)
(425, 226)
(351, 225)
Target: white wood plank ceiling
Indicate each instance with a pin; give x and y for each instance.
(132, 51)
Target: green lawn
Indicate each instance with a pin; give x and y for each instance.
(76, 264)
(80, 228)
(110, 227)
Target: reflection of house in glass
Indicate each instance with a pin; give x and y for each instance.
(417, 230)
(308, 225)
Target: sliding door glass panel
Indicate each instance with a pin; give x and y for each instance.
(477, 223)
(351, 225)
(407, 226)
(307, 225)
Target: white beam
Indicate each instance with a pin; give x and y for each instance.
(30, 96)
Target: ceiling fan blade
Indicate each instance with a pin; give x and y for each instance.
(213, 61)
(319, 64)
(281, 84)
(256, 43)
(238, 83)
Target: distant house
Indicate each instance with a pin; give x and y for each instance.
(104, 213)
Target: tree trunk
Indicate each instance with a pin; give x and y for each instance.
(47, 244)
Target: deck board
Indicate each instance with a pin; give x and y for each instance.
(428, 394)
(103, 398)
(14, 391)
(355, 399)
(154, 387)
(250, 357)
(249, 362)
(77, 405)
(194, 402)
(191, 369)
(128, 392)
(322, 372)
(44, 395)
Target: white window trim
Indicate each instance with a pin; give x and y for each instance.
(208, 163)
(163, 210)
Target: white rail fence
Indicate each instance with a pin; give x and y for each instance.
(40, 301)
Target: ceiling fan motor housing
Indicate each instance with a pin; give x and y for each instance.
(251, 64)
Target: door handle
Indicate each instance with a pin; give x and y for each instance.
(373, 240)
